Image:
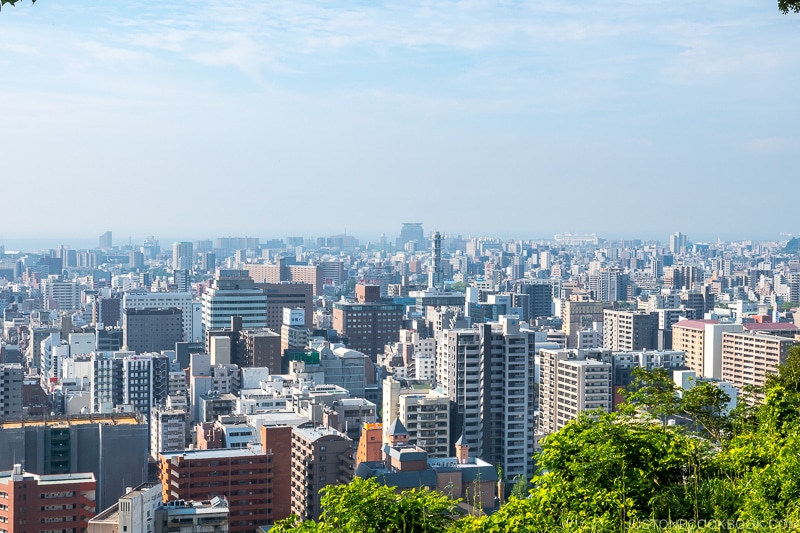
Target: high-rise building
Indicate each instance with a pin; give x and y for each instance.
(65, 295)
(411, 231)
(540, 292)
(182, 255)
(164, 300)
(107, 311)
(247, 484)
(748, 357)
(81, 444)
(678, 243)
(368, 326)
(627, 331)
(296, 295)
(311, 274)
(424, 412)
(208, 261)
(106, 242)
(36, 503)
(152, 330)
(320, 457)
(508, 396)
(580, 315)
(182, 279)
(11, 376)
(233, 293)
(570, 383)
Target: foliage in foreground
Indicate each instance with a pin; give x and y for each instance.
(623, 471)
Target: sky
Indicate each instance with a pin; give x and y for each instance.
(207, 118)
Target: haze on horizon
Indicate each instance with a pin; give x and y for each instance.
(271, 119)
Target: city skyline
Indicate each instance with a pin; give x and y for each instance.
(43, 243)
(652, 115)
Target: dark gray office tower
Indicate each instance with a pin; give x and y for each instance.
(152, 330)
(540, 296)
(411, 231)
(183, 282)
(113, 447)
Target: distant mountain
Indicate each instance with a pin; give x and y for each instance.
(793, 246)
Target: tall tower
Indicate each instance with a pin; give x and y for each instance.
(182, 255)
(436, 276)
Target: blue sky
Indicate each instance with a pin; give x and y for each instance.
(200, 118)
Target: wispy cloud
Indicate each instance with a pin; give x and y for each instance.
(774, 146)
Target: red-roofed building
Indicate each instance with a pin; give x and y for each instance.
(781, 329)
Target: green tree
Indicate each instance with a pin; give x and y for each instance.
(364, 506)
(12, 2)
(707, 404)
(653, 392)
(521, 488)
(789, 5)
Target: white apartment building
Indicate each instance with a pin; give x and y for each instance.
(169, 428)
(570, 384)
(60, 294)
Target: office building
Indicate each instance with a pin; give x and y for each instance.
(627, 331)
(274, 274)
(151, 330)
(540, 297)
(288, 294)
(578, 316)
(81, 444)
(262, 348)
(34, 503)
(106, 311)
(182, 255)
(106, 241)
(166, 300)
(368, 326)
(182, 280)
(411, 231)
(11, 376)
(233, 293)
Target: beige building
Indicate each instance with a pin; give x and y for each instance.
(579, 315)
(426, 416)
(748, 357)
(688, 336)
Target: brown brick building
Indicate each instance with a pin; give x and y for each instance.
(368, 326)
(30, 503)
(243, 476)
(320, 457)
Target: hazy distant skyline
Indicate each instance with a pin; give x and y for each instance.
(626, 119)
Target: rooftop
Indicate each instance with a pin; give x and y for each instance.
(695, 324)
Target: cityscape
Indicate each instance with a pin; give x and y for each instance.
(226, 381)
(470, 266)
